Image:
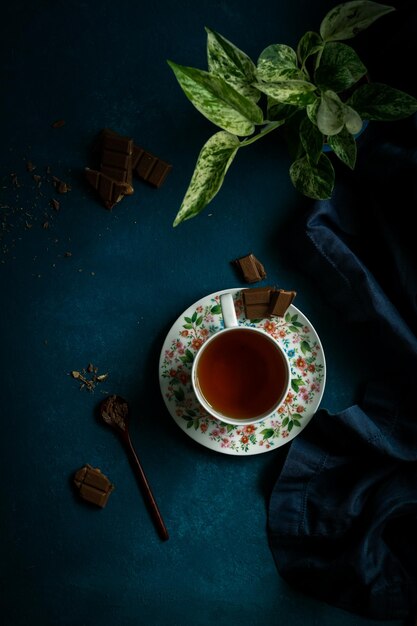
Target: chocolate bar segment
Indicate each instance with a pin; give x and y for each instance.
(110, 191)
(116, 157)
(257, 302)
(148, 167)
(92, 485)
(251, 268)
(280, 301)
(257, 295)
(261, 302)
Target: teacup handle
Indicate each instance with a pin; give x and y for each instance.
(228, 310)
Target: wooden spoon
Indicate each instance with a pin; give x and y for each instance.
(114, 411)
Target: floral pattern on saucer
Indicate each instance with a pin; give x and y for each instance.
(308, 376)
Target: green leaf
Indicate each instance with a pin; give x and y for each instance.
(194, 316)
(348, 19)
(188, 326)
(313, 180)
(296, 423)
(278, 111)
(212, 164)
(309, 44)
(312, 140)
(296, 383)
(216, 309)
(340, 67)
(305, 347)
(216, 100)
(330, 114)
(352, 120)
(285, 421)
(296, 92)
(297, 416)
(267, 433)
(231, 64)
(312, 110)
(290, 426)
(376, 101)
(189, 355)
(179, 394)
(344, 146)
(199, 320)
(278, 62)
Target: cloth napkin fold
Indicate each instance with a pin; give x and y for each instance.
(343, 513)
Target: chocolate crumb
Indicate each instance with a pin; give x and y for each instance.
(55, 204)
(58, 123)
(30, 167)
(60, 185)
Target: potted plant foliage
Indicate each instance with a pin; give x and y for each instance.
(319, 94)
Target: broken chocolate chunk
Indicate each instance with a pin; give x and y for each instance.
(110, 191)
(148, 167)
(280, 301)
(92, 485)
(251, 268)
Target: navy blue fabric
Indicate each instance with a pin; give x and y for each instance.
(343, 513)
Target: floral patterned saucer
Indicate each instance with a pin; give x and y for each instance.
(308, 371)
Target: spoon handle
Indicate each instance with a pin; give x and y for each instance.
(146, 489)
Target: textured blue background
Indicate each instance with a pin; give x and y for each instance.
(102, 64)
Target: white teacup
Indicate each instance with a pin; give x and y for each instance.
(240, 375)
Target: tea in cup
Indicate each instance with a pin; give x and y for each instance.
(240, 375)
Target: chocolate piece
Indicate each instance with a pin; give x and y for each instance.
(280, 301)
(261, 302)
(110, 191)
(257, 295)
(116, 157)
(148, 167)
(251, 268)
(93, 486)
(257, 302)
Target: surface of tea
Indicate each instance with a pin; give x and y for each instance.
(241, 374)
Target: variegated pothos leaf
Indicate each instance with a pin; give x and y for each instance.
(314, 180)
(278, 62)
(218, 101)
(340, 67)
(231, 64)
(344, 146)
(296, 92)
(330, 113)
(348, 19)
(380, 102)
(309, 44)
(211, 167)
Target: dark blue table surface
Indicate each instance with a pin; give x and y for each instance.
(112, 301)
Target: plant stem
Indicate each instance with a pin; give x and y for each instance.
(267, 129)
